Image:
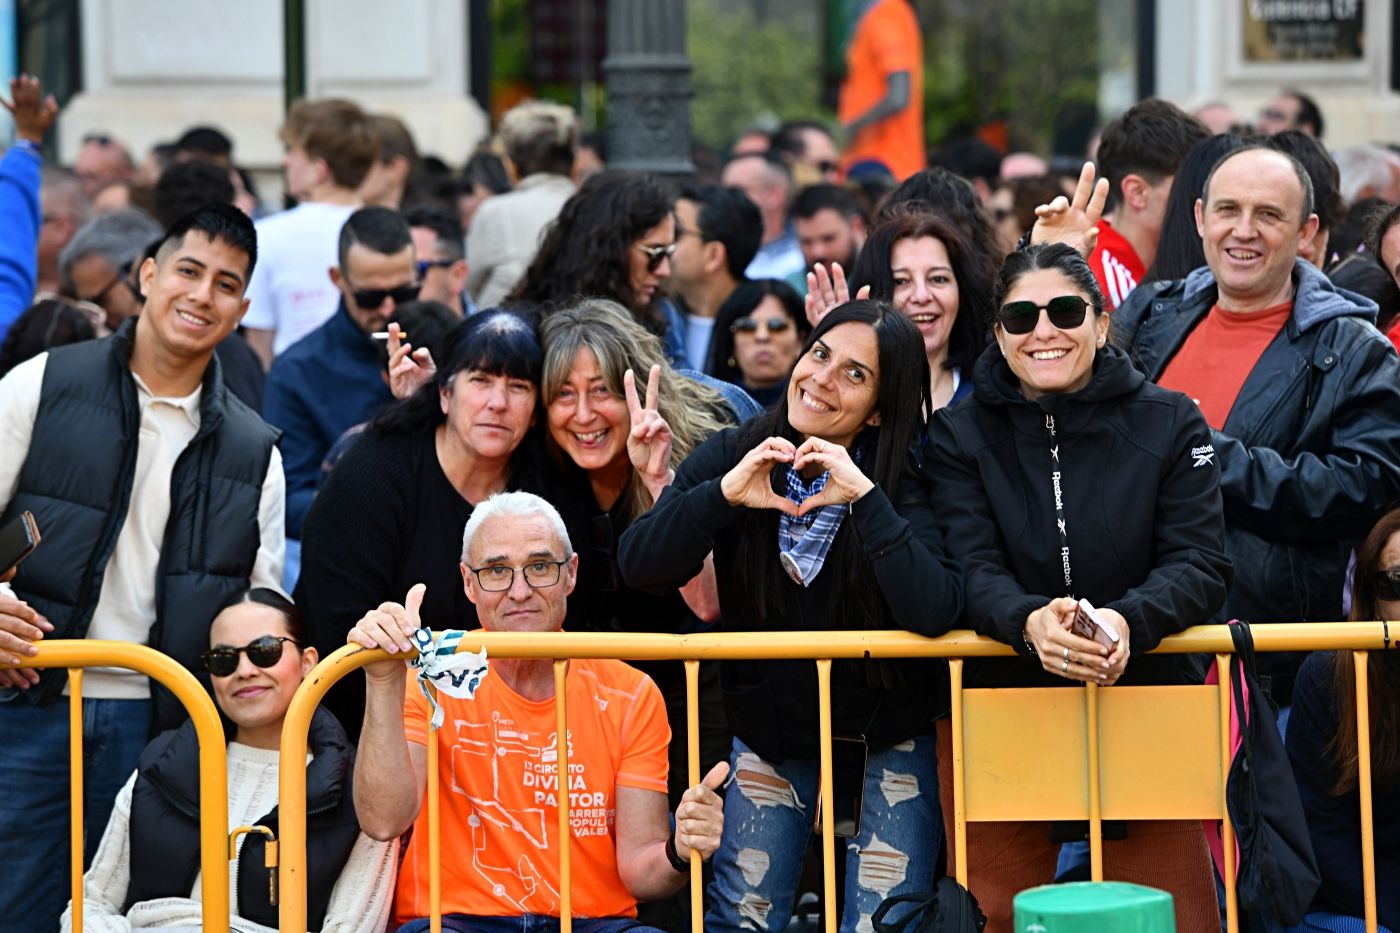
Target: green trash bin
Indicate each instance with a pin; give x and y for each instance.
(1088, 907)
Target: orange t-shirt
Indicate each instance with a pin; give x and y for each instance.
(886, 40)
(498, 787)
(1219, 355)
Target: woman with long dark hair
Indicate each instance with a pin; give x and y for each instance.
(818, 520)
(1068, 475)
(926, 268)
(1179, 250)
(391, 512)
(1322, 745)
(613, 239)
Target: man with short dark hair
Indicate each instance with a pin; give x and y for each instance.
(331, 145)
(1139, 154)
(1291, 110)
(830, 228)
(541, 139)
(717, 231)
(159, 498)
(810, 151)
(332, 378)
(205, 144)
(390, 175)
(767, 181)
(442, 266)
(1299, 388)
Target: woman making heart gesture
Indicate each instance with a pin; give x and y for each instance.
(819, 520)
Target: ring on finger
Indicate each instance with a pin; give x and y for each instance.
(1065, 668)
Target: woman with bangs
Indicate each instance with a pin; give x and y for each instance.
(818, 519)
(391, 512)
(926, 268)
(618, 420)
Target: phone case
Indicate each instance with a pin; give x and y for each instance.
(1089, 624)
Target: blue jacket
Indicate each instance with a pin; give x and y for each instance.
(323, 384)
(1310, 454)
(19, 232)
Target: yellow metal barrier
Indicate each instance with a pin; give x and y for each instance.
(213, 764)
(1097, 787)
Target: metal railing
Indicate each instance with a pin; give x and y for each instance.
(78, 654)
(1359, 637)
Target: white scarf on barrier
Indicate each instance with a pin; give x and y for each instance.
(455, 673)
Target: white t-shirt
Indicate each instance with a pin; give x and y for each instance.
(291, 290)
(698, 331)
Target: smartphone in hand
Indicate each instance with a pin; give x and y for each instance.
(18, 539)
(1089, 624)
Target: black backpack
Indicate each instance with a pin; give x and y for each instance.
(949, 908)
(1277, 875)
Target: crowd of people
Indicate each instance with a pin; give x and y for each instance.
(535, 395)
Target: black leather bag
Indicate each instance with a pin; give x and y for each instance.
(949, 908)
(1277, 875)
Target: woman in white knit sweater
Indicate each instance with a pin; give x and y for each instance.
(146, 871)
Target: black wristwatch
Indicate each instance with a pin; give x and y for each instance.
(679, 864)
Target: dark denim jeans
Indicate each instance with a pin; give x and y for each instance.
(34, 825)
(461, 923)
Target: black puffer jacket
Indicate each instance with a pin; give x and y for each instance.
(1310, 454)
(1141, 498)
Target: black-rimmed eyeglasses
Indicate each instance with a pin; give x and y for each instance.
(500, 577)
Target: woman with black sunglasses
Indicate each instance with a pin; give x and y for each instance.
(146, 871)
(1070, 476)
(758, 334)
(1322, 747)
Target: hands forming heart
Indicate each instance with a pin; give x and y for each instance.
(749, 484)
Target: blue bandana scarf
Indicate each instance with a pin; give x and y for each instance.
(804, 542)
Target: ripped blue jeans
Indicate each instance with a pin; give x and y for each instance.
(768, 814)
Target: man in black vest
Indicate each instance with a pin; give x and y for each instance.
(160, 499)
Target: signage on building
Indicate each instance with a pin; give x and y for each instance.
(1304, 30)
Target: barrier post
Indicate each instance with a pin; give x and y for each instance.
(692, 760)
(1227, 830)
(561, 745)
(827, 797)
(75, 790)
(1095, 811)
(955, 676)
(434, 831)
(1363, 780)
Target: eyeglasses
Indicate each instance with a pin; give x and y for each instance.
(499, 577)
(263, 651)
(1020, 317)
(683, 230)
(370, 298)
(425, 264)
(656, 255)
(1387, 584)
(750, 325)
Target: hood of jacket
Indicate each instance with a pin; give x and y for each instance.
(1315, 301)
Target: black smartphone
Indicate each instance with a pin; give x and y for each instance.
(848, 760)
(18, 539)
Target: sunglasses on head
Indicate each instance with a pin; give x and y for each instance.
(1387, 584)
(263, 651)
(656, 255)
(370, 298)
(749, 325)
(1020, 317)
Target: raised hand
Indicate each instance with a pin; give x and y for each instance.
(408, 368)
(649, 440)
(390, 627)
(828, 290)
(1074, 222)
(748, 483)
(844, 480)
(32, 111)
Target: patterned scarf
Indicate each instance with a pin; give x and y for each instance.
(804, 542)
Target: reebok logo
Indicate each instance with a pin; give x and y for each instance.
(1204, 456)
